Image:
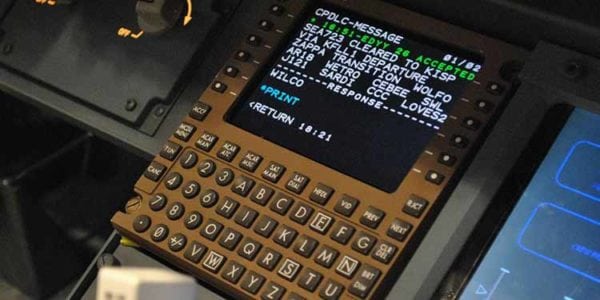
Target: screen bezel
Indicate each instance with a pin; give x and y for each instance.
(504, 201)
(478, 57)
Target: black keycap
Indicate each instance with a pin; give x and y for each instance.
(310, 279)
(190, 190)
(301, 213)
(321, 194)
(249, 249)
(297, 183)
(447, 159)
(141, 223)
(294, 296)
(242, 55)
(230, 239)
(206, 168)
(177, 242)
(188, 160)
(434, 177)
(347, 266)
(232, 272)
(277, 10)
(228, 151)
(399, 230)
(251, 161)
(265, 25)
(242, 186)
(305, 245)
(459, 141)
(231, 71)
(363, 243)
(415, 206)
(160, 233)
(194, 252)
(209, 198)
(281, 204)
(273, 291)
(342, 233)
(245, 216)
(213, 261)
(326, 256)
(384, 252)
(154, 171)
(211, 229)
(170, 150)
(206, 141)
(346, 205)
(331, 290)
(265, 226)
(289, 269)
(200, 111)
(219, 87)
(273, 172)
(254, 40)
(284, 236)
(321, 223)
(185, 131)
(158, 202)
(227, 207)
(471, 123)
(193, 220)
(372, 217)
(364, 281)
(268, 259)
(484, 106)
(224, 177)
(252, 282)
(262, 194)
(173, 180)
(175, 210)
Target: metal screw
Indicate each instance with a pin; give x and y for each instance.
(159, 111)
(573, 69)
(131, 104)
(7, 49)
(133, 205)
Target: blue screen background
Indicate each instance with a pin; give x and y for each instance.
(549, 247)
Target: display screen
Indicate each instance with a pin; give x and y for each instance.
(549, 247)
(356, 95)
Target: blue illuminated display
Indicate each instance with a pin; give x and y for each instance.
(549, 247)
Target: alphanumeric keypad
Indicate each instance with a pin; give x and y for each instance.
(193, 220)
(331, 290)
(159, 233)
(342, 232)
(157, 202)
(230, 238)
(224, 177)
(173, 180)
(301, 213)
(188, 160)
(284, 236)
(242, 186)
(289, 269)
(321, 223)
(190, 190)
(177, 242)
(213, 261)
(252, 282)
(211, 229)
(194, 252)
(269, 259)
(141, 223)
(364, 242)
(206, 168)
(175, 210)
(281, 204)
(265, 226)
(305, 245)
(227, 207)
(262, 194)
(273, 291)
(325, 256)
(245, 216)
(233, 271)
(347, 266)
(249, 248)
(208, 198)
(310, 279)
